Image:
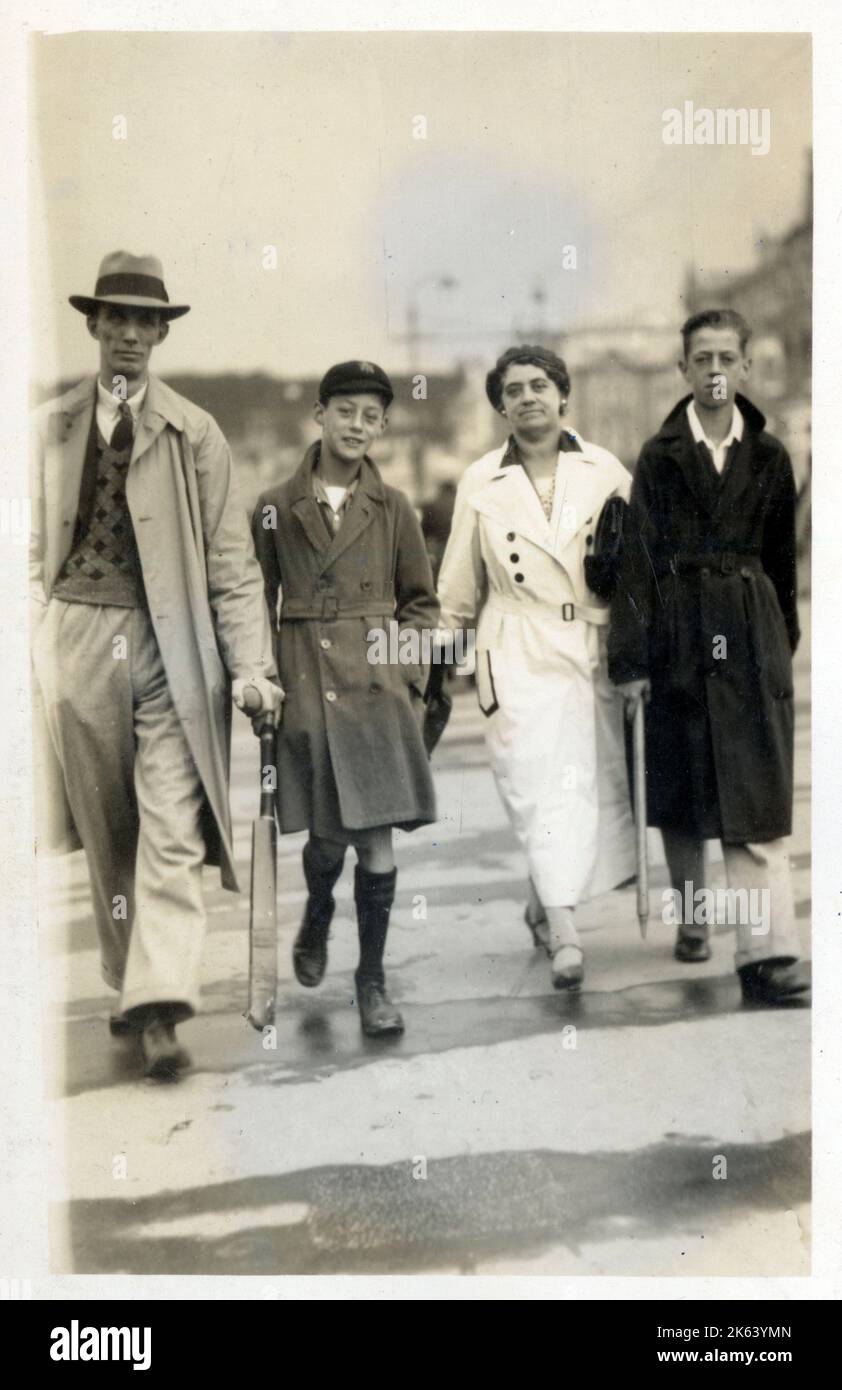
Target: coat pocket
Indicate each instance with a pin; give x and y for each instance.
(769, 639)
(486, 691)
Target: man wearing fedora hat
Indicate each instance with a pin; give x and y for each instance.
(147, 614)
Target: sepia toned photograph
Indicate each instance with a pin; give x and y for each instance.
(419, 539)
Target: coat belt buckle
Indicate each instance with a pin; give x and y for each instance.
(330, 607)
(728, 564)
(568, 612)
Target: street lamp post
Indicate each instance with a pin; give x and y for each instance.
(413, 342)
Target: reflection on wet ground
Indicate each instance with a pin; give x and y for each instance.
(318, 1035)
(356, 1219)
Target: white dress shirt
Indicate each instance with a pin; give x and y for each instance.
(719, 452)
(108, 408)
(336, 499)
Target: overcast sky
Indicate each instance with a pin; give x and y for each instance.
(305, 142)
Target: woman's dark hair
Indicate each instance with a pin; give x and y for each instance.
(526, 356)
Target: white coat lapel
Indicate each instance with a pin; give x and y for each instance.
(579, 494)
(159, 409)
(509, 499)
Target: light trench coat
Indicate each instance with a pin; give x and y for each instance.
(202, 580)
(554, 721)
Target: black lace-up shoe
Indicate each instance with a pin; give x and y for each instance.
(771, 982)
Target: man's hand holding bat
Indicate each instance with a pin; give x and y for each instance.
(260, 698)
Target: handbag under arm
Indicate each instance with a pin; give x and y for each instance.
(602, 566)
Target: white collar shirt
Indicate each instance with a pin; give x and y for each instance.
(108, 408)
(719, 452)
(336, 500)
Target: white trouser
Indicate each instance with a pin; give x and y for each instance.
(135, 795)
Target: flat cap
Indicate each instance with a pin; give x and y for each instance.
(353, 378)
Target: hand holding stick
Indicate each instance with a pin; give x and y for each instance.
(263, 923)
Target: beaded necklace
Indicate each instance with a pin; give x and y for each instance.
(546, 494)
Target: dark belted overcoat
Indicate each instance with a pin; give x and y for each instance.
(350, 750)
(706, 608)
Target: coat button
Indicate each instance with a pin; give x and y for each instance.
(745, 572)
(374, 687)
(510, 537)
(705, 573)
(588, 540)
(518, 578)
(514, 559)
(325, 644)
(366, 584)
(330, 696)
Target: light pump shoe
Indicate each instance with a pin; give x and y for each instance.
(567, 969)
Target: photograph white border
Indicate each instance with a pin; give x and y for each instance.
(25, 1166)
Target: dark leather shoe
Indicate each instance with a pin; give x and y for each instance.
(309, 958)
(165, 1057)
(119, 1026)
(771, 982)
(691, 950)
(378, 1015)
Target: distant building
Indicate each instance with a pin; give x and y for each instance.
(775, 297)
(624, 380)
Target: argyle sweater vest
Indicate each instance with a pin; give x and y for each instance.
(103, 565)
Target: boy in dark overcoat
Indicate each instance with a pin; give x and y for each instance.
(343, 557)
(703, 629)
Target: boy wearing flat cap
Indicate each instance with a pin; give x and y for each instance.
(147, 603)
(342, 555)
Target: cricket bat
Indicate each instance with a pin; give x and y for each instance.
(639, 746)
(263, 914)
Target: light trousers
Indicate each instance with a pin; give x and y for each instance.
(762, 869)
(135, 795)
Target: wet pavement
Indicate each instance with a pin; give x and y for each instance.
(652, 1124)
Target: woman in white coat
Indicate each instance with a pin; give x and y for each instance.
(525, 520)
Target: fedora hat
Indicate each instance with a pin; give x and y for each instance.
(132, 280)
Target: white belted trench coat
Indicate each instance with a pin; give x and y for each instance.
(554, 722)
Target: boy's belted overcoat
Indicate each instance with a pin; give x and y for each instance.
(350, 751)
(706, 608)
